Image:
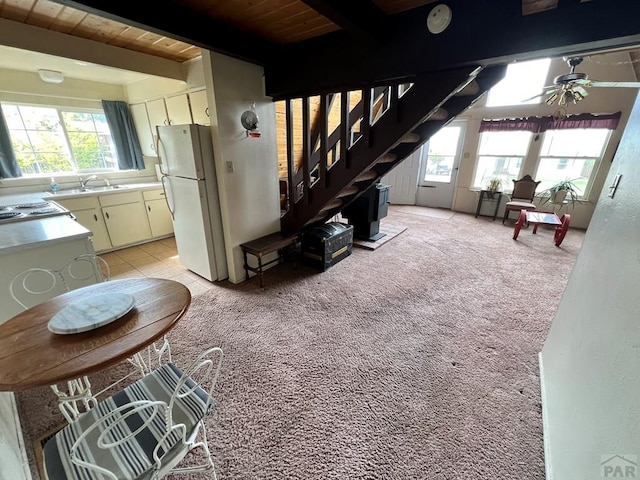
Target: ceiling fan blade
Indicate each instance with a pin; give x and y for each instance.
(596, 83)
(545, 92)
(533, 98)
(581, 90)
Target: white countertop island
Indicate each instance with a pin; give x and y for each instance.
(43, 232)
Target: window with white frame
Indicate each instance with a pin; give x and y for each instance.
(571, 154)
(500, 155)
(522, 82)
(49, 140)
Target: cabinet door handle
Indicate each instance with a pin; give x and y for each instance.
(95, 217)
(149, 207)
(206, 111)
(165, 121)
(106, 214)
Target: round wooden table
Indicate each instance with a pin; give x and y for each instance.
(32, 356)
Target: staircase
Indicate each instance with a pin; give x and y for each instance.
(381, 130)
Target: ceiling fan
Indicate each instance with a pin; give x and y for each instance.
(570, 87)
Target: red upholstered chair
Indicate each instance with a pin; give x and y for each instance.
(522, 196)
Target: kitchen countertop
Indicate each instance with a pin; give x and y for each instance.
(34, 233)
(100, 190)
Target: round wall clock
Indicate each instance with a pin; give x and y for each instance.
(439, 18)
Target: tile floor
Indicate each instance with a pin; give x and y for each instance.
(154, 259)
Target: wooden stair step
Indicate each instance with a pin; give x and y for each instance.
(332, 204)
(368, 175)
(472, 88)
(410, 138)
(387, 158)
(438, 114)
(352, 190)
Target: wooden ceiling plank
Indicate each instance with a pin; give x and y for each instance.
(360, 18)
(173, 20)
(304, 30)
(68, 19)
(100, 28)
(396, 6)
(44, 13)
(536, 6)
(17, 10)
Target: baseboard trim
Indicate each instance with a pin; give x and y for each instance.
(545, 421)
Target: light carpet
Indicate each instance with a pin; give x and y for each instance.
(414, 361)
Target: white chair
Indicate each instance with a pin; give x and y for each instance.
(35, 285)
(143, 431)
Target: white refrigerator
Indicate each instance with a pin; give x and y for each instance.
(189, 179)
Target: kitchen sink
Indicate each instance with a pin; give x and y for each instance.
(107, 188)
(86, 190)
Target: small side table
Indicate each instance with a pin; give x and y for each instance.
(274, 242)
(490, 196)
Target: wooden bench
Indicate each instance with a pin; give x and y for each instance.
(274, 242)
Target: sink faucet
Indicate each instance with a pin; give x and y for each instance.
(83, 183)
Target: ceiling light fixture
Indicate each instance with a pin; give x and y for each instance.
(51, 76)
(439, 18)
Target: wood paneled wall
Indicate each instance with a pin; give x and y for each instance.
(314, 108)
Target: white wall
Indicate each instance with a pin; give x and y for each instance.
(156, 87)
(589, 363)
(249, 196)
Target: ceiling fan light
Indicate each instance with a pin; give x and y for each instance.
(51, 76)
(577, 96)
(552, 98)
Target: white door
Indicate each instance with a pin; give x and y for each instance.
(404, 180)
(179, 151)
(192, 225)
(439, 166)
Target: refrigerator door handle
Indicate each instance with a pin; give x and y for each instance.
(166, 196)
(158, 141)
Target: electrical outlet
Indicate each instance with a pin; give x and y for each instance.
(229, 166)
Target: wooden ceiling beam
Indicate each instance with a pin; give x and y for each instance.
(479, 33)
(360, 18)
(172, 19)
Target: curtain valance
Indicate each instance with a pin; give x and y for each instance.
(542, 124)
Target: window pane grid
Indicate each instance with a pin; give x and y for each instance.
(571, 155)
(48, 140)
(500, 155)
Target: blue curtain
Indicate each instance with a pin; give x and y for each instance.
(9, 167)
(124, 135)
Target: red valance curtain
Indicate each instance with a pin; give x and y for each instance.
(530, 124)
(541, 124)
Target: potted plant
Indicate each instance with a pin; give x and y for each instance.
(494, 185)
(558, 193)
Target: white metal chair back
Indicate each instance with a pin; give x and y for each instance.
(35, 285)
(143, 431)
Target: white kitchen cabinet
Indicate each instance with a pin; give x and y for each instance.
(199, 107)
(92, 220)
(178, 111)
(158, 214)
(88, 214)
(157, 112)
(143, 128)
(125, 217)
